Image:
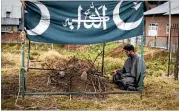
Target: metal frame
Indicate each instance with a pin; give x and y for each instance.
(73, 93)
(81, 93)
(102, 68)
(169, 39)
(141, 62)
(23, 59)
(76, 93)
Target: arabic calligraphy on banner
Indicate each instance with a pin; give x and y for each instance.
(92, 18)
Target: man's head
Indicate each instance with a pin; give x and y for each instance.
(129, 50)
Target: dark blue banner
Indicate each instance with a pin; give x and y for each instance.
(83, 22)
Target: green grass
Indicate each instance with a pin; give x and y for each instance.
(159, 92)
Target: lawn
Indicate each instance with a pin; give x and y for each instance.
(160, 92)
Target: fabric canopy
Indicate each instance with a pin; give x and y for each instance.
(83, 22)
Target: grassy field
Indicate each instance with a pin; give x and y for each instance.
(160, 92)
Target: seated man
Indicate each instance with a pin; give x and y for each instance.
(128, 78)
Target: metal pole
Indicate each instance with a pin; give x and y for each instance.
(142, 65)
(167, 43)
(23, 55)
(178, 56)
(80, 93)
(155, 41)
(177, 59)
(33, 68)
(28, 62)
(22, 72)
(169, 38)
(102, 68)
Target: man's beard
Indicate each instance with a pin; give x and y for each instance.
(130, 55)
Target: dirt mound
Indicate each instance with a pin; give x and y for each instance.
(70, 74)
(116, 52)
(78, 76)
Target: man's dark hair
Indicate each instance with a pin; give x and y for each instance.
(128, 47)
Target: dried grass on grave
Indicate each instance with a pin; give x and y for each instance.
(72, 74)
(78, 76)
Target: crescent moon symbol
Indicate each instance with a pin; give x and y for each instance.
(120, 23)
(44, 21)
